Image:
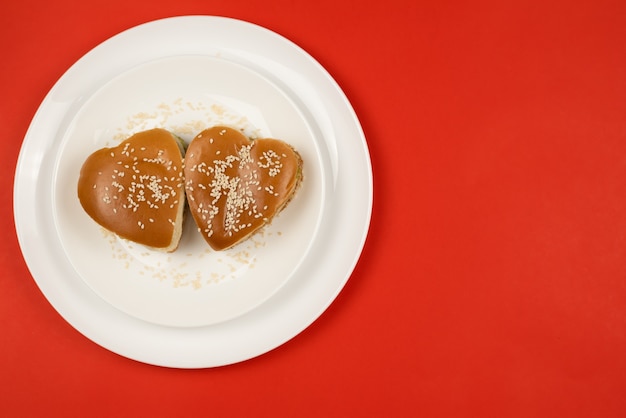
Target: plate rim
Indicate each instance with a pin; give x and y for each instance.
(189, 345)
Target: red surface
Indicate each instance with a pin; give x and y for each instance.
(493, 280)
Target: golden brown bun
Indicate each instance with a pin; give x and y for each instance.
(235, 186)
(136, 189)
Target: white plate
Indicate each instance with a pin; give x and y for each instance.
(194, 308)
(192, 286)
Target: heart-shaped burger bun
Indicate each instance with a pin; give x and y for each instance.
(136, 189)
(235, 185)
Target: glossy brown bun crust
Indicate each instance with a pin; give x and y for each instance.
(235, 186)
(136, 189)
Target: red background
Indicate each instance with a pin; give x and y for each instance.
(493, 279)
